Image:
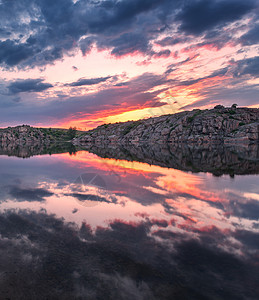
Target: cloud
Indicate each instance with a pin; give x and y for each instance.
(28, 194)
(28, 85)
(47, 30)
(12, 53)
(162, 54)
(249, 66)
(171, 41)
(134, 93)
(174, 66)
(251, 37)
(91, 81)
(129, 43)
(220, 72)
(199, 16)
(88, 197)
(37, 33)
(212, 95)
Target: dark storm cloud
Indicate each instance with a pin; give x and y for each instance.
(40, 32)
(12, 53)
(4, 33)
(91, 81)
(55, 28)
(120, 13)
(86, 45)
(251, 37)
(199, 16)
(249, 66)
(28, 85)
(171, 41)
(129, 43)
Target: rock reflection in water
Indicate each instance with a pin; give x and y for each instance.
(217, 159)
(26, 151)
(220, 159)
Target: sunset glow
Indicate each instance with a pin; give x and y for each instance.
(100, 62)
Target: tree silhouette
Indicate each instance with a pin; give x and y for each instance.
(71, 132)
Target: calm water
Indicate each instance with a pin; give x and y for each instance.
(78, 226)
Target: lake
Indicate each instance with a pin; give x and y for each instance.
(78, 225)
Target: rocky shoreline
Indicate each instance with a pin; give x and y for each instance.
(219, 141)
(221, 125)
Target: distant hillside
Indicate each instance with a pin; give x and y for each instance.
(27, 135)
(218, 125)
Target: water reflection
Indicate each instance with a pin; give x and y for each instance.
(85, 227)
(49, 259)
(216, 159)
(26, 151)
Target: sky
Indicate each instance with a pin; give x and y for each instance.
(84, 63)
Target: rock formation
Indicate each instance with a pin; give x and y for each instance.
(216, 126)
(31, 136)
